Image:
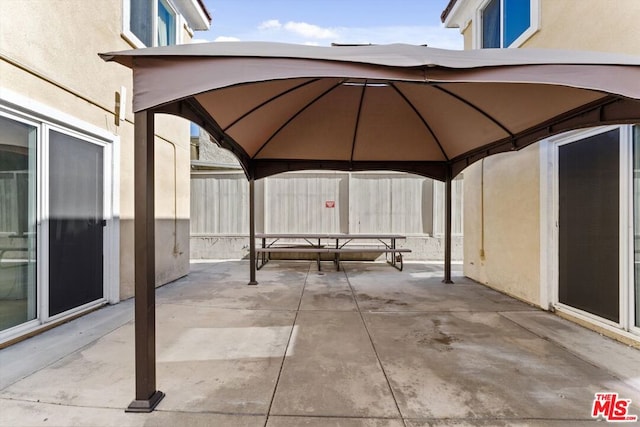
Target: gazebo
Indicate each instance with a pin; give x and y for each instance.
(431, 112)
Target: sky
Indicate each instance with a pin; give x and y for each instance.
(322, 22)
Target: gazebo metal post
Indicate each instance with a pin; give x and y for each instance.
(147, 397)
(447, 228)
(252, 233)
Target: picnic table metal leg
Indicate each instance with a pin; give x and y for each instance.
(393, 254)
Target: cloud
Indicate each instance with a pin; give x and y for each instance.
(301, 29)
(309, 30)
(226, 39)
(270, 24)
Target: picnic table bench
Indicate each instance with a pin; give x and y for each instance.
(335, 244)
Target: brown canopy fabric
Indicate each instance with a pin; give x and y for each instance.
(282, 107)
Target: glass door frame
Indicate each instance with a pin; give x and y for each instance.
(30, 324)
(43, 247)
(633, 299)
(549, 239)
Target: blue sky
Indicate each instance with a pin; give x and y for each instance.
(322, 22)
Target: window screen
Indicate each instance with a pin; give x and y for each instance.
(76, 211)
(588, 224)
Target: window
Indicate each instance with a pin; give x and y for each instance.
(505, 23)
(140, 22)
(166, 25)
(491, 25)
(150, 23)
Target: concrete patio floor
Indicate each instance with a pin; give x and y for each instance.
(368, 346)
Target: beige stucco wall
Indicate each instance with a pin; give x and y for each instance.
(511, 217)
(501, 223)
(53, 47)
(600, 25)
(467, 36)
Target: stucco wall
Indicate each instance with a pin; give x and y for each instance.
(59, 41)
(467, 35)
(502, 223)
(600, 25)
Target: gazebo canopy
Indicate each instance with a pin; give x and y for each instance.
(283, 107)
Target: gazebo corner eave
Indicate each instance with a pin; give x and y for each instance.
(610, 110)
(191, 110)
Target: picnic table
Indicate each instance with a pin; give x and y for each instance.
(335, 244)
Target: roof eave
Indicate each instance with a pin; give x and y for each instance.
(195, 12)
(458, 14)
(447, 10)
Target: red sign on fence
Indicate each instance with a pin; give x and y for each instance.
(330, 204)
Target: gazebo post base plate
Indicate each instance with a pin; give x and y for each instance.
(146, 405)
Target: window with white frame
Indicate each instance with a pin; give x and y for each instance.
(506, 23)
(149, 23)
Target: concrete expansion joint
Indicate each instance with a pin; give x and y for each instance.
(286, 351)
(373, 346)
(66, 404)
(483, 420)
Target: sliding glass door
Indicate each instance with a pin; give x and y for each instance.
(18, 300)
(52, 222)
